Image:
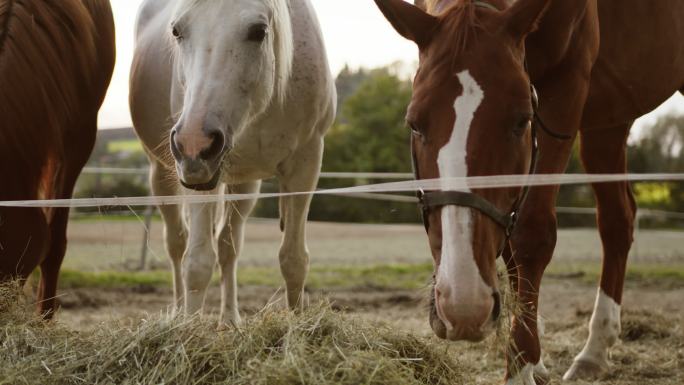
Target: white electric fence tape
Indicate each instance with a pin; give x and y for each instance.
(324, 175)
(456, 184)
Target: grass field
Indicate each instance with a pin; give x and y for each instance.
(97, 245)
(105, 253)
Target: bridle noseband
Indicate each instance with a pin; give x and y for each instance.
(506, 220)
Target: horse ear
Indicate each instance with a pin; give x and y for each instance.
(523, 17)
(410, 21)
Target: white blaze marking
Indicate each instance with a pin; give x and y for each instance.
(457, 267)
(452, 157)
(604, 331)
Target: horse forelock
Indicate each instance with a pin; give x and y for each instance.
(47, 50)
(432, 6)
(459, 20)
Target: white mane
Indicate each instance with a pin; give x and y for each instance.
(283, 40)
(283, 45)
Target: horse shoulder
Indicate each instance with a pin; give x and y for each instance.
(151, 76)
(312, 83)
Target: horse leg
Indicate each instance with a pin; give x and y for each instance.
(200, 255)
(230, 243)
(604, 151)
(533, 245)
(534, 238)
(52, 263)
(24, 237)
(50, 266)
(541, 373)
(300, 173)
(175, 233)
(83, 140)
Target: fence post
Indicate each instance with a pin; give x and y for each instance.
(149, 212)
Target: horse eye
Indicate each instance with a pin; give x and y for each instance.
(257, 33)
(523, 124)
(176, 33)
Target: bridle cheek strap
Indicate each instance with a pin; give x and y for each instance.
(507, 221)
(470, 200)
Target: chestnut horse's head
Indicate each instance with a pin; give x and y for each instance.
(471, 115)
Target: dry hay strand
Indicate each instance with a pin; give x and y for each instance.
(317, 346)
(638, 325)
(651, 350)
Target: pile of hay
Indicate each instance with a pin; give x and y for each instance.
(316, 347)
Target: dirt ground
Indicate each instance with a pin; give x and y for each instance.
(651, 352)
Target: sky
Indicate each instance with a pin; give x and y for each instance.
(355, 32)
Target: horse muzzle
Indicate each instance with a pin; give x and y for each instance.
(199, 183)
(466, 323)
(199, 160)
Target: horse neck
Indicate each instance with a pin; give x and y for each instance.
(558, 36)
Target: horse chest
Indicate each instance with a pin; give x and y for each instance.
(259, 150)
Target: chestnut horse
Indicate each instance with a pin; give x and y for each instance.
(474, 112)
(56, 61)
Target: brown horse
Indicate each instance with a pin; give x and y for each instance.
(598, 65)
(56, 62)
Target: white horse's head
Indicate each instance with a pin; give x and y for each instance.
(234, 59)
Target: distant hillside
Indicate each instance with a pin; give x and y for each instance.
(116, 147)
(109, 135)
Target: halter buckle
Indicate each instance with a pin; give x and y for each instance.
(511, 225)
(535, 97)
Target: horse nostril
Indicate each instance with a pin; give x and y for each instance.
(216, 148)
(438, 295)
(176, 148)
(496, 310)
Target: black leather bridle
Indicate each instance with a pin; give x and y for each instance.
(506, 220)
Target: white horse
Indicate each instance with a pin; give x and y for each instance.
(227, 93)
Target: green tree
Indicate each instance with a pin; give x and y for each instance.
(371, 135)
(660, 149)
(347, 83)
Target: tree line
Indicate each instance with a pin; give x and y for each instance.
(370, 135)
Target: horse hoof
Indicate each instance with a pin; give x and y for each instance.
(584, 370)
(543, 378)
(541, 374)
(229, 324)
